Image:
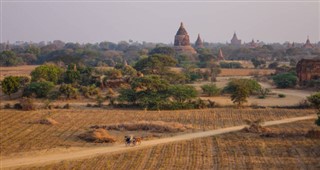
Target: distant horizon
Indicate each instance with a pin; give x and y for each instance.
(157, 22)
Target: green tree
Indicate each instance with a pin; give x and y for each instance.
(240, 94)
(40, 89)
(9, 58)
(257, 63)
(155, 64)
(169, 51)
(181, 93)
(285, 80)
(315, 101)
(251, 85)
(68, 91)
(10, 85)
(127, 95)
(210, 89)
(47, 72)
(151, 91)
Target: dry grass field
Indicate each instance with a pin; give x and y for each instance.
(246, 72)
(16, 71)
(20, 134)
(238, 150)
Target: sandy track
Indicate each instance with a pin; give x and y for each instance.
(91, 152)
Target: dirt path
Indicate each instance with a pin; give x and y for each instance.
(91, 152)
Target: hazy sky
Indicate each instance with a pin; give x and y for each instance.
(158, 21)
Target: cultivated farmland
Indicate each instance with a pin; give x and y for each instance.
(20, 134)
(238, 150)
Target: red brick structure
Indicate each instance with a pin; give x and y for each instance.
(308, 44)
(308, 69)
(199, 43)
(182, 42)
(235, 41)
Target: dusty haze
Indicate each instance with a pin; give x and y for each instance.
(156, 21)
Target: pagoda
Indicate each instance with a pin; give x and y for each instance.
(182, 42)
(199, 43)
(235, 41)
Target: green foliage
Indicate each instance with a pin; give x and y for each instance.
(230, 65)
(257, 63)
(113, 74)
(181, 93)
(281, 95)
(128, 71)
(240, 94)
(155, 64)
(149, 92)
(10, 85)
(72, 75)
(68, 91)
(315, 101)
(210, 89)
(263, 92)
(251, 85)
(9, 58)
(47, 72)
(163, 50)
(40, 89)
(88, 91)
(240, 89)
(285, 80)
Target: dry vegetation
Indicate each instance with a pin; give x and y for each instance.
(153, 126)
(16, 71)
(98, 136)
(239, 150)
(18, 135)
(246, 72)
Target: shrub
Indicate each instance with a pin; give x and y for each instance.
(210, 89)
(98, 136)
(10, 85)
(68, 91)
(47, 72)
(7, 106)
(281, 95)
(27, 104)
(181, 93)
(40, 89)
(88, 91)
(230, 65)
(285, 80)
(67, 106)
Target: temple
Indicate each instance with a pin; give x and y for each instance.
(182, 42)
(220, 55)
(235, 41)
(308, 44)
(199, 43)
(308, 69)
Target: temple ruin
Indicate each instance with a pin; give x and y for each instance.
(308, 69)
(182, 41)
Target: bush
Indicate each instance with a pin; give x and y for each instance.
(7, 106)
(40, 89)
(68, 91)
(10, 85)
(281, 95)
(285, 80)
(230, 65)
(181, 93)
(27, 104)
(47, 72)
(251, 85)
(210, 89)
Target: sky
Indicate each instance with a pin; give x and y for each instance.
(158, 21)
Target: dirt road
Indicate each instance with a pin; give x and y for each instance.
(91, 152)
